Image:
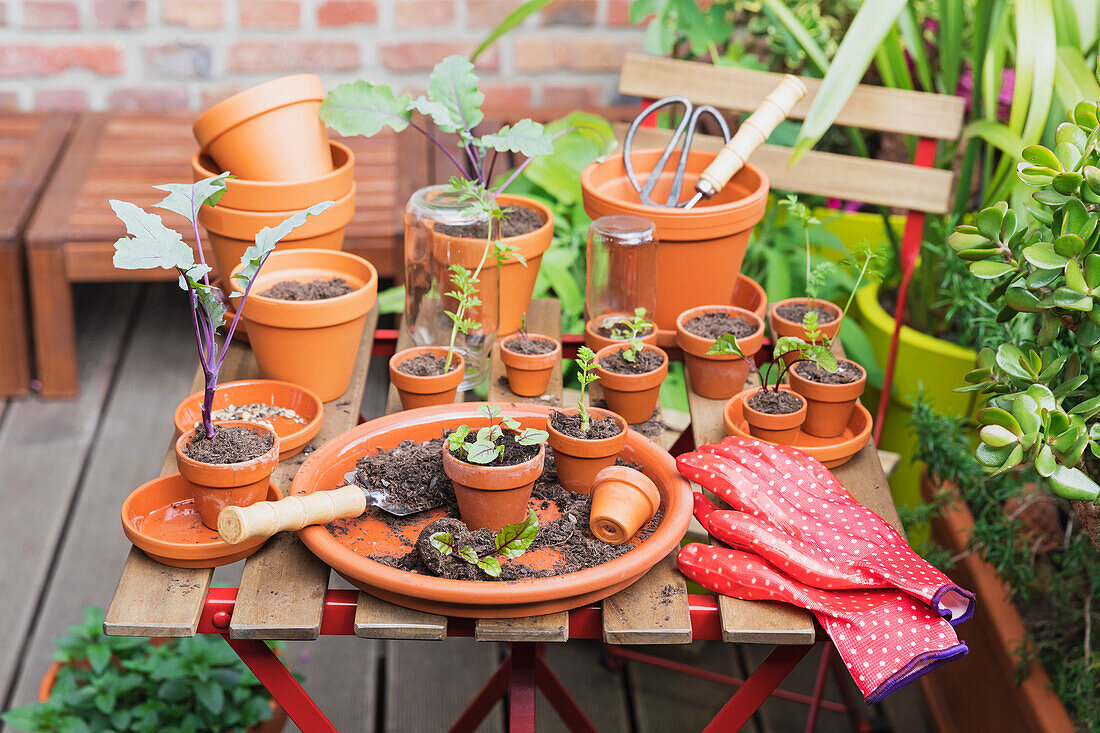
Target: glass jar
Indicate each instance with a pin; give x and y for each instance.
(429, 280)
(622, 266)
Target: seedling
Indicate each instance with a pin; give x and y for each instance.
(819, 354)
(488, 444)
(586, 363)
(151, 245)
(511, 542)
(523, 327)
(465, 295)
(866, 263)
(629, 330)
(802, 213)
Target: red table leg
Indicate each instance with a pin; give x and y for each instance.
(480, 706)
(521, 688)
(757, 688)
(564, 704)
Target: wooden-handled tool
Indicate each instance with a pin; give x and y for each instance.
(265, 518)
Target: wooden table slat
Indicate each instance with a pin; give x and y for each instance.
(654, 610)
(377, 619)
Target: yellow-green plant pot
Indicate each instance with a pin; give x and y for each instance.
(854, 227)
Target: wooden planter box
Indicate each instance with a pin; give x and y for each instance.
(979, 691)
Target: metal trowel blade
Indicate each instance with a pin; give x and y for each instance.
(381, 499)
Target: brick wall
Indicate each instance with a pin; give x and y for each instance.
(188, 54)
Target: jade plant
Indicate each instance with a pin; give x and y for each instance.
(488, 444)
(511, 542)
(1043, 399)
(586, 375)
(151, 244)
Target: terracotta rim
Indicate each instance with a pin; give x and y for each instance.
(426, 385)
(631, 382)
(289, 444)
(255, 101)
(328, 464)
(242, 224)
(698, 346)
(583, 447)
(530, 362)
(627, 475)
(494, 478)
(529, 245)
(234, 473)
(778, 421)
(821, 392)
(818, 302)
(747, 294)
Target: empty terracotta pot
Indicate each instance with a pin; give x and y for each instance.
(828, 406)
(417, 391)
(529, 374)
(216, 486)
(312, 343)
(623, 500)
(492, 497)
(579, 460)
(271, 132)
(232, 231)
(781, 326)
(699, 250)
(717, 376)
(634, 396)
(595, 340)
(247, 195)
(783, 429)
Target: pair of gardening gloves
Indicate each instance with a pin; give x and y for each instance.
(798, 536)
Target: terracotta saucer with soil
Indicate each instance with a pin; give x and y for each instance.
(347, 545)
(293, 435)
(832, 452)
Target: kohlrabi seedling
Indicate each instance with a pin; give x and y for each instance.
(151, 245)
(511, 542)
(586, 375)
(488, 443)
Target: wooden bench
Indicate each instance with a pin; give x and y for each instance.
(30, 145)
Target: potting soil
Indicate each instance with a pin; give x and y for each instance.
(774, 402)
(796, 312)
(570, 424)
(713, 325)
(846, 372)
(517, 220)
(530, 345)
(312, 290)
(425, 365)
(644, 362)
(231, 444)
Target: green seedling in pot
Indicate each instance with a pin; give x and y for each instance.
(151, 245)
(586, 375)
(488, 443)
(801, 212)
(629, 330)
(511, 542)
(726, 345)
(466, 299)
(866, 264)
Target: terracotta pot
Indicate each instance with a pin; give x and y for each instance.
(828, 406)
(492, 497)
(529, 374)
(271, 132)
(214, 487)
(247, 195)
(714, 376)
(579, 460)
(232, 231)
(781, 327)
(782, 429)
(595, 340)
(623, 499)
(699, 250)
(634, 396)
(750, 295)
(310, 343)
(425, 391)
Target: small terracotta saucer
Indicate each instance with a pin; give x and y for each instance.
(161, 519)
(747, 294)
(293, 436)
(832, 452)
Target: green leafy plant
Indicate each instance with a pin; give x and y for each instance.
(511, 542)
(488, 445)
(586, 375)
(801, 213)
(127, 684)
(629, 330)
(818, 353)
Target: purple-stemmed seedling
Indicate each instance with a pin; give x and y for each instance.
(151, 245)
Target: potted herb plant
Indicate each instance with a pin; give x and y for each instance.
(494, 469)
(450, 550)
(529, 359)
(718, 376)
(585, 440)
(631, 374)
(126, 684)
(606, 329)
(230, 463)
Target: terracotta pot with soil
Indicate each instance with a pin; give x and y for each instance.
(529, 360)
(233, 469)
(623, 499)
(420, 378)
(581, 454)
(271, 132)
(632, 388)
(718, 376)
(774, 415)
(830, 396)
(785, 319)
(494, 496)
(306, 313)
(599, 333)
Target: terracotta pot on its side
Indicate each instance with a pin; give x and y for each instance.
(492, 497)
(271, 132)
(425, 391)
(529, 374)
(579, 460)
(623, 500)
(781, 327)
(216, 486)
(716, 376)
(828, 406)
(310, 343)
(781, 429)
(634, 396)
(595, 340)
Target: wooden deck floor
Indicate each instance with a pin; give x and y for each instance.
(65, 468)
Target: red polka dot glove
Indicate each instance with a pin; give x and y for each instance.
(886, 638)
(791, 510)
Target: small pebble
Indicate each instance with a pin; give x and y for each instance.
(256, 413)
